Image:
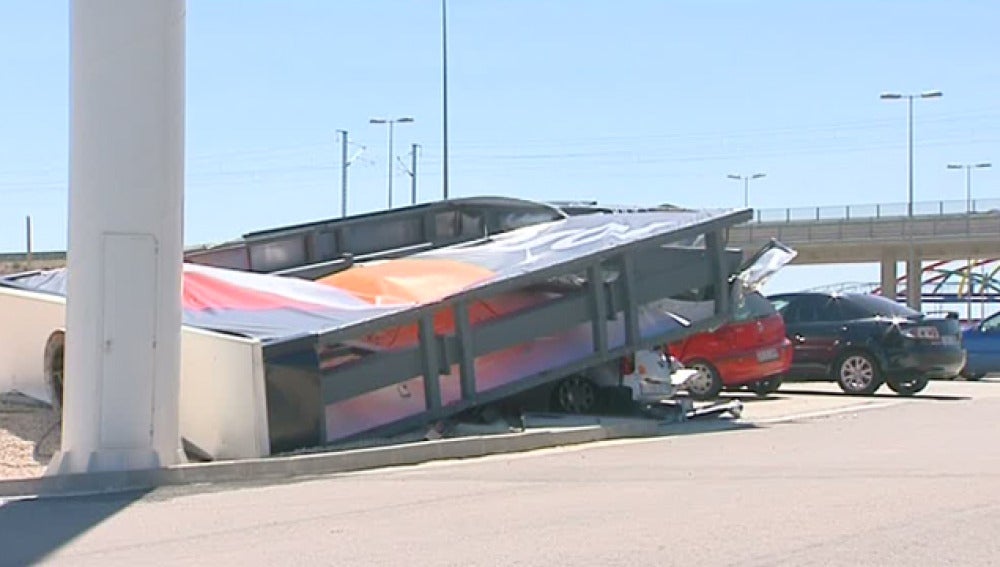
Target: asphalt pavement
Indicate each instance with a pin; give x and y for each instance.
(827, 480)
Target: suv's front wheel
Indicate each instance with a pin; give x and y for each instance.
(857, 373)
(907, 386)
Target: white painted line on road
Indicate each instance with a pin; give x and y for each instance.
(824, 413)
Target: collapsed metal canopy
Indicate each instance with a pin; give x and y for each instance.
(559, 297)
(624, 293)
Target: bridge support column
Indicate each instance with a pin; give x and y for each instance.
(888, 276)
(914, 279)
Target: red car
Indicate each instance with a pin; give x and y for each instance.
(752, 351)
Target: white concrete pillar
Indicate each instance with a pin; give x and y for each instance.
(887, 270)
(125, 236)
(914, 279)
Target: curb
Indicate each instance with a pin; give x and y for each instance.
(277, 468)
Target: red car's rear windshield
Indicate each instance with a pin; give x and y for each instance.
(754, 306)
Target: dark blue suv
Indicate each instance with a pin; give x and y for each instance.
(861, 341)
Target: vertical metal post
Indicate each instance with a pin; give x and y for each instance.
(343, 173)
(909, 156)
(413, 174)
(968, 189)
(28, 243)
(432, 376)
(598, 308)
(720, 279)
(444, 98)
(968, 303)
(630, 308)
(466, 361)
(391, 124)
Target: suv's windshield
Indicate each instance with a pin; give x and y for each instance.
(876, 305)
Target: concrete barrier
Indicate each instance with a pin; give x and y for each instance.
(305, 465)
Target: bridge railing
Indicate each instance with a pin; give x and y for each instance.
(876, 211)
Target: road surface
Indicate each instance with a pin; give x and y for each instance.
(914, 482)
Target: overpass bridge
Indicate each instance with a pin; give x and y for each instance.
(945, 285)
(881, 233)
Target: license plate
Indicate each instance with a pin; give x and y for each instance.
(930, 333)
(767, 355)
(949, 340)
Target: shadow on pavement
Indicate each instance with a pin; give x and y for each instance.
(878, 395)
(32, 529)
(704, 425)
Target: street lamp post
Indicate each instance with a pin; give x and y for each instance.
(968, 167)
(746, 185)
(390, 122)
(909, 138)
(914, 264)
(444, 98)
(343, 172)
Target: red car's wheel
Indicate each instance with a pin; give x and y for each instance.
(764, 388)
(707, 383)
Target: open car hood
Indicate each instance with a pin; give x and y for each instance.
(766, 262)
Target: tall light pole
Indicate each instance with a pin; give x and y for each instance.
(914, 265)
(343, 172)
(390, 122)
(746, 185)
(968, 167)
(909, 138)
(444, 98)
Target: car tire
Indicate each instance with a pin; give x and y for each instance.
(907, 386)
(705, 385)
(576, 394)
(857, 373)
(764, 388)
(972, 377)
(54, 367)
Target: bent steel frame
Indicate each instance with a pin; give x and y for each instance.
(320, 248)
(612, 286)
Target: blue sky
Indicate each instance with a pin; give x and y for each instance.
(629, 101)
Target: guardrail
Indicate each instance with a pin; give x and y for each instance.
(925, 228)
(876, 211)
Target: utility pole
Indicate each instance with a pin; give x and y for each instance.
(27, 226)
(390, 122)
(343, 173)
(412, 172)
